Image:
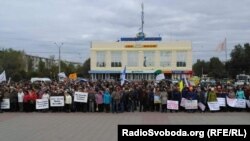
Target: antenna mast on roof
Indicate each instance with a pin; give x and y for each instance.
(142, 17)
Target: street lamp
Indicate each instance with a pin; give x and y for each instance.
(59, 60)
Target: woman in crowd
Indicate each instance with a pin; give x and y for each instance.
(107, 100)
(164, 99)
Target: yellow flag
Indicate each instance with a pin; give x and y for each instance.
(73, 76)
(181, 85)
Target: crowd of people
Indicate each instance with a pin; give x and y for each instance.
(111, 97)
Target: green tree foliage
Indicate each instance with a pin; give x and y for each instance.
(214, 68)
(13, 63)
(201, 67)
(83, 71)
(240, 60)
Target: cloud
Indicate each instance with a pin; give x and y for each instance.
(34, 26)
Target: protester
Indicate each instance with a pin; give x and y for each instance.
(107, 100)
(116, 95)
(20, 96)
(68, 101)
(164, 98)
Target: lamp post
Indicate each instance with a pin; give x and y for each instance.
(59, 60)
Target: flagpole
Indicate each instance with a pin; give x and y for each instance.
(226, 48)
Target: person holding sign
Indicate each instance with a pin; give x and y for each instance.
(46, 96)
(222, 94)
(202, 98)
(212, 97)
(231, 95)
(192, 95)
(175, 96)
(157, 99)
(240, 94)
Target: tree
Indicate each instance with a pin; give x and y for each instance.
(200, 67)
(12, 62)
(239, 62)
(216, 68)
(83, 70)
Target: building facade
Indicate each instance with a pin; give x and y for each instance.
(142, 58)
(32, 62)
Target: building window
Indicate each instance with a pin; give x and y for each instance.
(116, 59)
(181, 58)
(165, 59)
(100, 59)
(149, 58)
(132, 58)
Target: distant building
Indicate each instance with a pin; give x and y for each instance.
(32, 62)
(141, 58)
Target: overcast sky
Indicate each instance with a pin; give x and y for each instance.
(35, 25)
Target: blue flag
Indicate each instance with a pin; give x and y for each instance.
(123, 76)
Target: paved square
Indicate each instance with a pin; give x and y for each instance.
(98, 126)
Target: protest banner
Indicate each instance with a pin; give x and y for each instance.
(5, 104)
(240, 103)
(42, 104)
(231, 102)
(81, 97)
(183, 102)
(214, 106)
(202, 106)
(191, 104)
(57, 101)
(173, 105)
(157, 99)
(221, 101)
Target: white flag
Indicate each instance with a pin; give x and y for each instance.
(123, 76)
(186, 81)
(221, 46)
(2, 77)
(160, 77)
(62, 75)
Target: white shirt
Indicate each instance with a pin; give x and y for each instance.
(68, 99)
(20, 96)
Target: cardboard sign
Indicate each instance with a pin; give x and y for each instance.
(81, 97)
(57, 101)
(173, 105)
(42, 104)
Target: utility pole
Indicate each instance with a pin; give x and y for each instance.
(59, 60)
